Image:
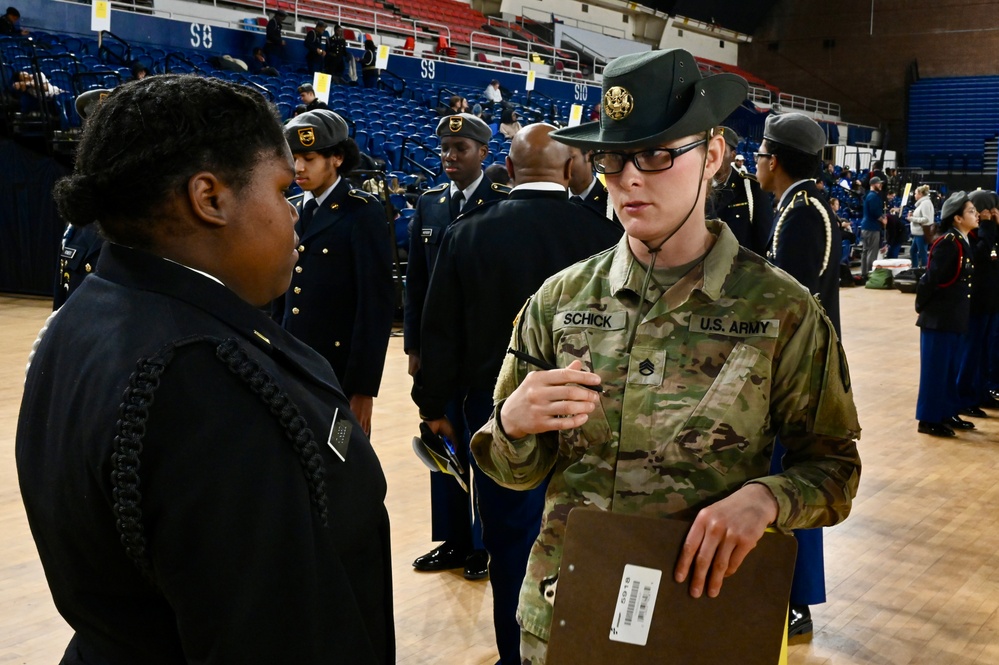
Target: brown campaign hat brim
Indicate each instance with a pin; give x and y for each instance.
(714, 99)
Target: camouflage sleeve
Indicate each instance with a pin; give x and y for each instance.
(524, 463)
(813, 410)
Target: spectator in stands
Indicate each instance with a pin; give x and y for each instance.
(595, 113)
(315, 47)
(509, 123)
(274, 41)
(828, 175)
(920, 219)
(894, 233)
(308, 96)
(457, 104)
(846, 180)
(10, 23)
(227, 412)
(336, 53)
(299, 110)
(33, 90)
(871, 226)
(369, 70)
(849, 240)
(258, 64)
(139, 71)
(492, 92)
(739, 164)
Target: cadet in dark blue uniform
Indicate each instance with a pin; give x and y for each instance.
(464, 140)
(341, 301)
(585, 188)
(738, 200)
(81, 245)
(943, 300)
(807, 244)
(176, 475)
(490, 262)
(979, 354)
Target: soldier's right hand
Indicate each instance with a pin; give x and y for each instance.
(414, 363)
(550, 400)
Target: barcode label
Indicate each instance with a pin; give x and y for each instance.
(636, 601)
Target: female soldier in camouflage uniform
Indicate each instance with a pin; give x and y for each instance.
(703, 350)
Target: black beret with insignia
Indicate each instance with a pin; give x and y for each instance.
(315, 130)
(464, 124)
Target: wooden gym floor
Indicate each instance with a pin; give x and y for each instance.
(912, 576)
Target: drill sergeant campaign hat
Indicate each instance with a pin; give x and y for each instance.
(464, 124)
(795, 130)
(655, 97)
(317, 130)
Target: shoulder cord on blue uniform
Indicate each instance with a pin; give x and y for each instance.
(131, 429)
(828, 228)
(749, 197)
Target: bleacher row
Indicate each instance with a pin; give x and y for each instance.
(394, 123)
(935, 140)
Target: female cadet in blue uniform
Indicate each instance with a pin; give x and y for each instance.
(944, 305)
(176, 475)
(341, 301)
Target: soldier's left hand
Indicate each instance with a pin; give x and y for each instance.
(722, 535)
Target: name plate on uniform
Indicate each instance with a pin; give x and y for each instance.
(592, 320)
(733, 327)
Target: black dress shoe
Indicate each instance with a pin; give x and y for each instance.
(989, 403)
(477, 565)
(935, 429)
(974, 412)
(445, 557)
(956, 422)
(994, 394)
(799, 621)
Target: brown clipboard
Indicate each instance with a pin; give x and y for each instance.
(744, 624)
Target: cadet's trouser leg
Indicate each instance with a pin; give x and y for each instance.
(511, 521)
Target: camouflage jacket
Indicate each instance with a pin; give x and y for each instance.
(731, 355)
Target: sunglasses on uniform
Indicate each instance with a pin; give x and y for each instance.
(648, 161)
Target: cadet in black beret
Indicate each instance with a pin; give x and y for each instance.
(807, 244)
(464, 124)
(341, 300)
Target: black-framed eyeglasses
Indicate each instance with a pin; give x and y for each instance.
(651, 160)
(757, 155)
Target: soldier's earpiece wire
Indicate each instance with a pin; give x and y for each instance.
(655, 252)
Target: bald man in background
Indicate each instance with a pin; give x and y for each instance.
(490, 262)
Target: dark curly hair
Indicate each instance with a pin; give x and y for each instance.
(146, 140)
(348, 151)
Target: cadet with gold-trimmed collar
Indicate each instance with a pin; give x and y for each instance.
(464, 139)
(341, 299)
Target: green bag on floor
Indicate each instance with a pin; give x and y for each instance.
(879, 278)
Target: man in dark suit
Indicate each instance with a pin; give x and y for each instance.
(274, 40)
(315, 47)
(464, 140)
(584, 187)
(738, 201)
(807, 244)
(490, 262)
(341, 300)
